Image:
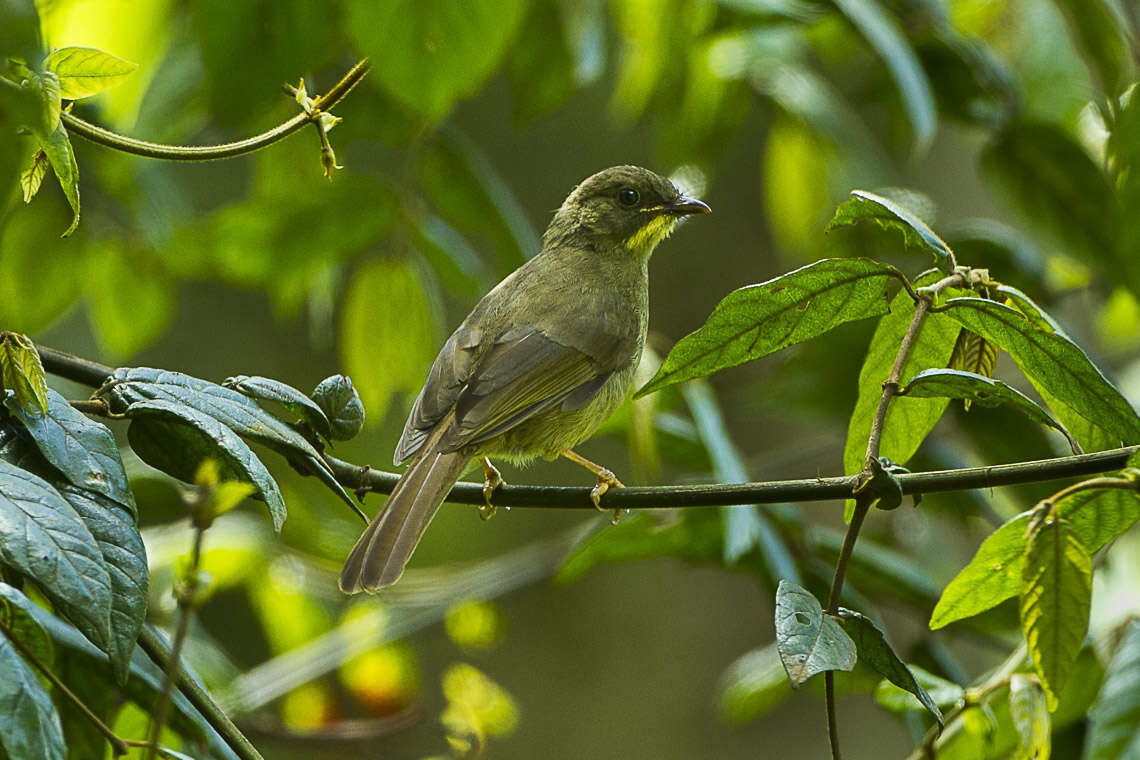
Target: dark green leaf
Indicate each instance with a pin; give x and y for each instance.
(1050, 179)
(80, 448)
(22, 372)
(744, 526)
(985, 391)
(943, 693)
(42, 537)
(175, 439)
(1097, 37)
(1030, 712)
(1115, 731)
(57, 146)
(886, 213)
(883, 33)
(429, 54)
(875, 651)
(757, 320)
(540, 66)
(1055, 602)
(809, 641)
(92, 685)
(84, 71)
(341, 404)
(268, 389)
(117, 535)
(29, 724)
(1052, 360)
(454, 261)
(909, 420)
(20, 32)
(19, 622)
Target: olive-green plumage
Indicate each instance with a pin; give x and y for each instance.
(538, 364)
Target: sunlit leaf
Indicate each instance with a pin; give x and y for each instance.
(883, 33)
(476, 705)
(32, 177)
(21, 371)
(85, 71)
(130, 297)
(1030, 711)
(1055, 602)
(890, 215)
(984, 391)
(1115, 719)
(57, 147)
(973, 353)
(1052, 360)
(757, 320)
(809, 641)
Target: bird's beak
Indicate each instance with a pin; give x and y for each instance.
(684, 206)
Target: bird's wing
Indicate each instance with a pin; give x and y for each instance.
(523, 373)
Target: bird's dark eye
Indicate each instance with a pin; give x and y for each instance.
(628, 196)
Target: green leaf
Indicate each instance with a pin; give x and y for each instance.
(985, 391)
(117, 534)
(341, 404)
(1059, 190)
(883, 33)
(388, 332)
(1115, 730)
(809, 641)
(91, 684)
(80, 448)
(32, 177)
(943, 693)
(1030, 712)
(540, 66)
(757, 320)
(47, 88)
(1055, 602)
(889, 215)
(85, 71)
(29, 724)
(752, 685)
(744, 526)
(1097, 37)
(57, 147)
(909, 420)
(22, 372)
(130, 296)
(19, 622)
(430, 53)
(995, 572)
(20, 32)
(268, 389)
(973, 353)
(175, 439)
(1051, 359)
(42, 537)
(874, 650)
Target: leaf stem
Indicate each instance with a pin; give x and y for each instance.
(118, 746)
(165, 152)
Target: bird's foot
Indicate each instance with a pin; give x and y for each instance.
(492, 479)
(605, 476)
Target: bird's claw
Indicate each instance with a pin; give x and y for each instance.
(606, 481)
(492, 479)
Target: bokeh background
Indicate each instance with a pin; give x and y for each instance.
(987, 117)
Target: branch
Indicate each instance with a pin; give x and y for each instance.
(353, 476)
(214, 152)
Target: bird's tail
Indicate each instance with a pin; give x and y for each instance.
(379, 557)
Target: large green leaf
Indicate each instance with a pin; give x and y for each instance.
(984, 391)
(80, 448)
(42, 537)
(429, 53)
(874, 650)
(808, 640)
(1115, 731)
(117, 535)
(175, 439)
(1055, 603)
(91, 685)
(29, 724)
(85, 71)
(268, 389)
(1051, 359)
(757, 320)
(16, 617)
(57, 146)
(886, 213)
(908, 420)
(885, 35)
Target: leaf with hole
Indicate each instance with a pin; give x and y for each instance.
(808, 640)
(175, 439)
(1055, 603)
(757, 320)
(982, 390)
(864, 206)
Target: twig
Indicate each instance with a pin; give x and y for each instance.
(214, 152)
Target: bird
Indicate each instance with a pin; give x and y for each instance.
(538, 365)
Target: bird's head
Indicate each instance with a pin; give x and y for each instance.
(626, 207)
